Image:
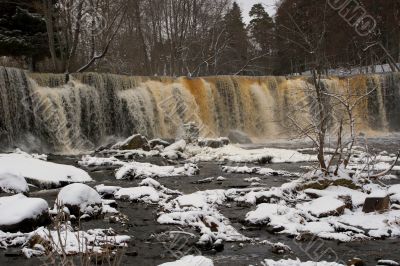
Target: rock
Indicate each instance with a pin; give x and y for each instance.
(12, 183)
(191, 132)
(80, 200)
(347, 201)
(374, 204)
(158, 142)
(279, 248)
(20, 213)
(324, 207)
(355, 262)
(218, 245)
(214, 143)
(236, 136)
(177, 146)
(134, 142)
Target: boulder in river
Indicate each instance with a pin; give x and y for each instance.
(80, 199)
(19, 213)
(214, 143)
(158, 142)
(134, 142)
(239, 137)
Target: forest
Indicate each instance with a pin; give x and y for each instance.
(197, 37)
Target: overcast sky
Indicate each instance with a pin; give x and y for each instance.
(247, 4)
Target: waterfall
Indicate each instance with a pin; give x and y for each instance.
(86, 110)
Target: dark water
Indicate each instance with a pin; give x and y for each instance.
(142, 225)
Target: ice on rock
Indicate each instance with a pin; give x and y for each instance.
(190, 260)
(20, 213)
(80, 199)
(41, 173)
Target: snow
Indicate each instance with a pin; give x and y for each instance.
(322, 206)
(177, 146)
(90, 161)
(106, 190)
(75, 242)
(290, 262)
(198, 210)
(190, 260)
(81, 195)
(145, 170)
(41, 173)
(257, 170)
(236, 154)
(144, 194)
(357, 197)
(12, 183)
(15, 209)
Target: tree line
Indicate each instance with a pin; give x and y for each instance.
(195, 37)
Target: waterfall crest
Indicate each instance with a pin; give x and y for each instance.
(88, 108)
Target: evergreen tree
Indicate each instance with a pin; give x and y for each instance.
(261, 26)
(22, 31)
(236, 56)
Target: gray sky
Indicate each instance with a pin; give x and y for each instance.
(247, 4)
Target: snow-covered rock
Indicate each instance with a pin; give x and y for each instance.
(20, 213)
(290, 262)
(324, 207)
(133, 143)
(107, 191)
(257, 170)
(12, 183)
(80, 199)
(177, 146)
(41, 173)
(138, 194)
(134, 170)
(190, 260)
(236, 154)
(89, 161)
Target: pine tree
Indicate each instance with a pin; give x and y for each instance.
(22, 31)
(236, 35)
(261, 26)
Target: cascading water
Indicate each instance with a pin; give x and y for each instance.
(88, 108)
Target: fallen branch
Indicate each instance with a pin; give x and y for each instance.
(387, 170)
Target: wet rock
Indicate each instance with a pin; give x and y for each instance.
(191, 132)
(158, 142)
(236, 136)
(279, 248)
(305, 237)
(20, 213)
(81, 200)
(374, 204)
(355, 262)
(213, 143)
(218, 245)
(131, 253)
(134, 142)
(347, 201)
